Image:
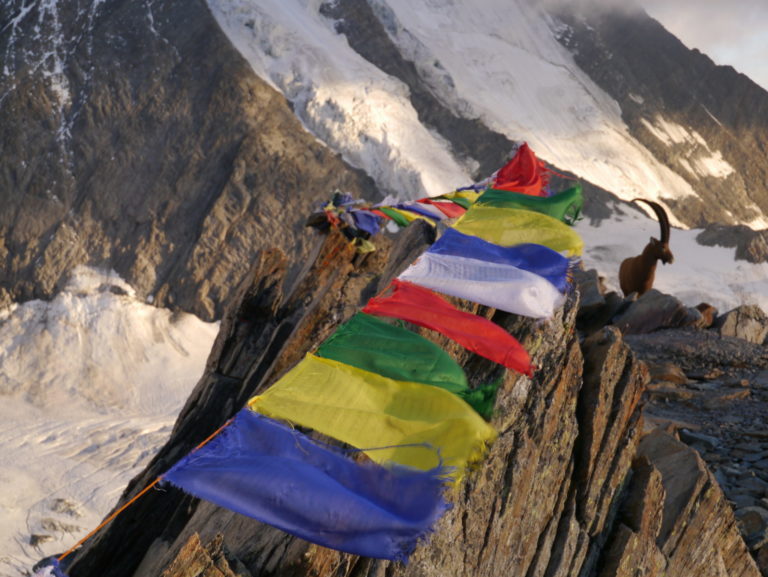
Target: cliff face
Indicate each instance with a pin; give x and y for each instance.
(568, 488)
(133, 136)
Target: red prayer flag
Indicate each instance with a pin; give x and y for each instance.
(448, 208)
(524, 173)
(422, 307)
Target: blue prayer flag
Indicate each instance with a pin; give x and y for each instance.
(265, 470)
(366, 221)
(534, 258)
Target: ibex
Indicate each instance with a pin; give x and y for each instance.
(636, 274)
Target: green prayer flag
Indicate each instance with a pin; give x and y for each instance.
(565, 205)
(394, 215)
(391, 351)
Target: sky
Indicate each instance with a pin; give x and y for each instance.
(729, 32)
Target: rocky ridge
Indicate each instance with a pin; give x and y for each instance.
(571, 486)
(708, 387)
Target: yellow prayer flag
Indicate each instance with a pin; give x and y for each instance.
(411, 216)
(512, 226)
(369, 411)
(470, 195)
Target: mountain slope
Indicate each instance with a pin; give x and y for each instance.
(480, 77)
(133, 137)
(707, 123)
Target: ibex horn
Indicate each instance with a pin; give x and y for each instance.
(661, 214)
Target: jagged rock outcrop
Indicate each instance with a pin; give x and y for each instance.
(554, 497)
(134, 136)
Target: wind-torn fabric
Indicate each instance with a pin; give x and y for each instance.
(524, 173)
(565, 206)
(406, 423)
(465, 198)
(392, 214)
(501, 286)
(402, 217)
(48, 567)
(449, 208)
(395, 352)
(366, 221)
(422, 209)
(422, 307)
(534, 258)
(267, 471)
(510, 226)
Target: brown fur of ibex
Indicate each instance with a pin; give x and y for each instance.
(637, 274)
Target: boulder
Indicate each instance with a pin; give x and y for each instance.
(747, 322)
(752, 519)
(655, 310)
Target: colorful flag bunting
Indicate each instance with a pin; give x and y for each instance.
(367, 221)
(394, 352)
(422, 209)
(449, 208)
(501, 286)
(422, 307)
(394, 214)
(267, 471)
(465, 198)
(403, 422)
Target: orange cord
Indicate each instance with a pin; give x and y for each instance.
(110, 518)
(136, 498)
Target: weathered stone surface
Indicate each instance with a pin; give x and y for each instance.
(652, 311)
(752, 519)
(747, 322)
(698, 533)
(668, 372)
(632, 549)
(194, 560)
(591, 290)
(665, 391)
(751, 245)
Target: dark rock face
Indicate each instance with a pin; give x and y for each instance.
(144, 143)
(751, 245)
(653, 75)
(561, 492)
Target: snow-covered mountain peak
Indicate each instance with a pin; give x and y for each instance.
(496, 61)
